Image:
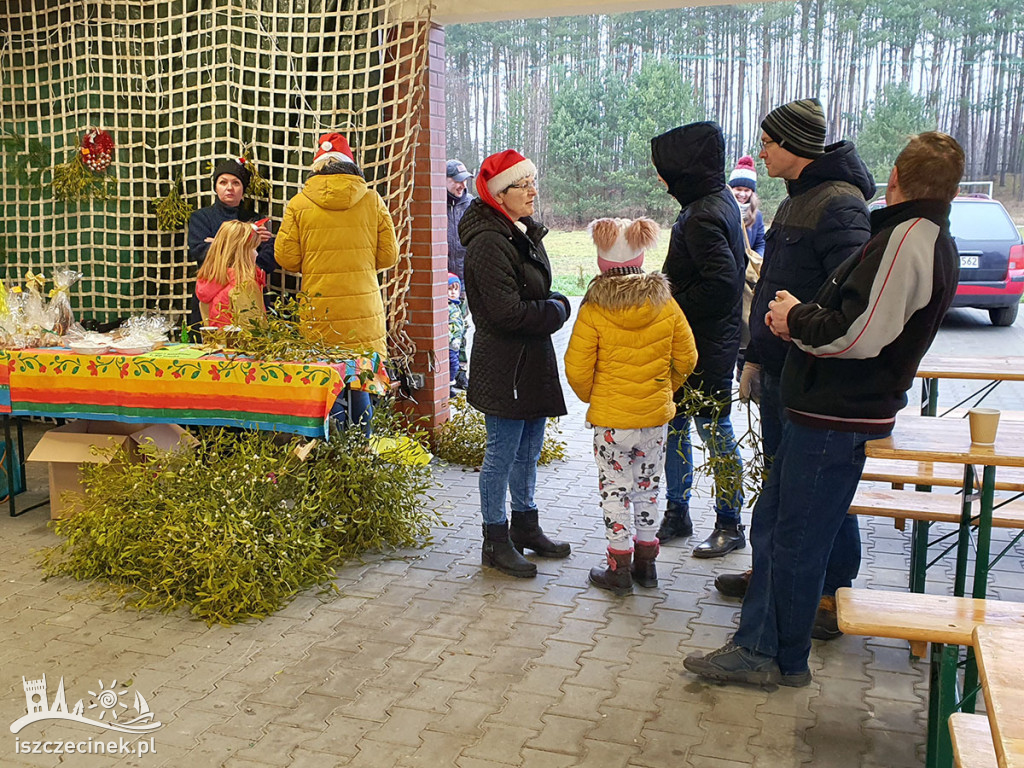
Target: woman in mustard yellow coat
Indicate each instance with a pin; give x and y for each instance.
(339, 234)
(630, 349)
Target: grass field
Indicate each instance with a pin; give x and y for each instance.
(574, 259)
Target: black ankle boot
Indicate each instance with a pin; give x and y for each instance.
(676, 524)
(499, 553)
(723, 540)
(526, 533)
(617, 576)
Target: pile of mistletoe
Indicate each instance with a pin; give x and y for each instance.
(234, 526)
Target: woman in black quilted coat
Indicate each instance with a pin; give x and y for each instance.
(515, 373)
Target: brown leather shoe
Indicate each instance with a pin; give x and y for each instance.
(826, 620)
(645, 573)
(733, 584)
(617, 576)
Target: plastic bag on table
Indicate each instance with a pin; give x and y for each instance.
(60, 299)
(37, 319)
(152, 329)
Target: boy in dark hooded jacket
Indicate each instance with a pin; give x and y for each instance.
(705, 264)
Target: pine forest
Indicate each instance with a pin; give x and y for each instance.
(583, 96)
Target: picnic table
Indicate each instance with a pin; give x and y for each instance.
(999, 650)
(923, 438)
(992, 370)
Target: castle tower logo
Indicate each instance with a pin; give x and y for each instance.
(106, 709)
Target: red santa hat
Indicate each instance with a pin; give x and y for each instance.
(333, 146)
(499, 171)
(622, 242)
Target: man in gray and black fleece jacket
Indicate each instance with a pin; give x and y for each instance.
(856, 349)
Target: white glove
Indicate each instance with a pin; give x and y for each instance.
(750, 383)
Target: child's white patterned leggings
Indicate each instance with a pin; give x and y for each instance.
(629, 467)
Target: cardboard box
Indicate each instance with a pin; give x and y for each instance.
(67, 448)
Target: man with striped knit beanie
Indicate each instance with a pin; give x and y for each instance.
(822, 222)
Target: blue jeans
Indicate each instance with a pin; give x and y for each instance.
(795, 524)
(844, 563)
(362, 409)
(679, 464)
(773, 415)
(510, 463)
(453, 364)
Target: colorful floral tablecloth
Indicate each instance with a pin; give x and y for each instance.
(166, 388)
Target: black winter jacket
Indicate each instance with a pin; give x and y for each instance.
(821, 224)
(456, 250)
(858, 344)
(706, 254)
(204, 223)
(508, 283)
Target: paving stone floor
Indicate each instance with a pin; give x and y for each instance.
(426, 659)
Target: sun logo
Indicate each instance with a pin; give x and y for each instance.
(108, 700)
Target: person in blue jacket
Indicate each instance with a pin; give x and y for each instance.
(230, 180)
(743, 181)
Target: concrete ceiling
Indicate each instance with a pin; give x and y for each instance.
(466, 11)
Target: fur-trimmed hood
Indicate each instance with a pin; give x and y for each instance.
(634, 300)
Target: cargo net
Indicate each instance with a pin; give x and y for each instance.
(178, 86)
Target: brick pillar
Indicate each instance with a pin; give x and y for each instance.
(428, 292)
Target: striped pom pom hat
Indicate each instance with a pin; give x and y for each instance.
(744, 174)
(798, 127)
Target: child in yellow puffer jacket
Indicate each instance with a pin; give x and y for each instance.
(630, 349)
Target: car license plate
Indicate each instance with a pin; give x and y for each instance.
(968, 262)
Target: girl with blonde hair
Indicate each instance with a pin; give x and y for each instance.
(229, 285)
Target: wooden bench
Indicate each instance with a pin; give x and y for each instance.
(946, 623)
(998, 650)
(972, 741)
(898, 472)
(929, 507)
(920, 619)
(925, 509)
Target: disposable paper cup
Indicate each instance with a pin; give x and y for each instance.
(984, 422)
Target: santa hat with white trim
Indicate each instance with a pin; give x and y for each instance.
(333, 146)
(500, 171)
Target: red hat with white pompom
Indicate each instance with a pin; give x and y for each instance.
(333, 146)
(744, 174)
(500, 171)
